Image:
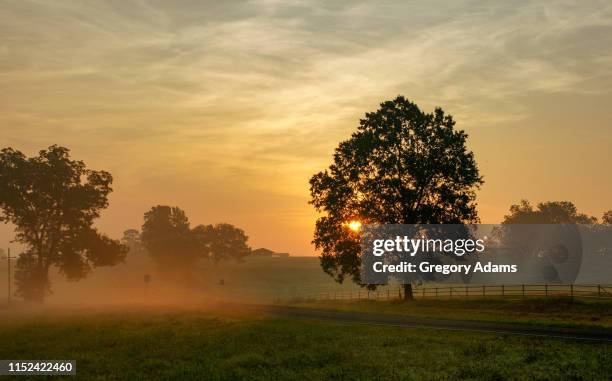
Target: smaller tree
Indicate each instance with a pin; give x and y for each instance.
(607, 217)
(132, 239)
(32, 281)
(169, 240)
(554, 247)
(222, 242)
(167, 237)
(550, 212)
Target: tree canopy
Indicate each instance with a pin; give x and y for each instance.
(133, 241)
(550, 212)
(166, 234)
(607, 217)
(53, 201)
(401, 166)
(176, 247)
(222, 242)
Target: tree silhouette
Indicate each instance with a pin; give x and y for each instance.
(550, 212)
(169, 240)
(554, 250)
(222, 242)
(132, 239)
(53, 202)
(607, 217)
(401, 166)
(167, 237)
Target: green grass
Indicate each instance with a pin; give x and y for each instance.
(542, 311)
(197, 345)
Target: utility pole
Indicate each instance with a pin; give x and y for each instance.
(8, 258)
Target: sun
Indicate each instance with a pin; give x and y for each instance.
(354, 225)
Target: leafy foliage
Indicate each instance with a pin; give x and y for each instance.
(169, 239)
(132, 239)
(166, 234)
(550, 212)
(401, 166)
(53, 202)
(222, 242)
(607, 217)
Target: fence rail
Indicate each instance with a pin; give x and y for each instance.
(474, 291)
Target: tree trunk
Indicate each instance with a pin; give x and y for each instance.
(408, 292)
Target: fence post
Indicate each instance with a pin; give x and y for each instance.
(572, 291)
(599, 290)
(503, 290)
(546, 290)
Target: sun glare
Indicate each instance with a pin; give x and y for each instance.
(354, 225)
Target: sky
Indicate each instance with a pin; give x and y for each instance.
(227, 108)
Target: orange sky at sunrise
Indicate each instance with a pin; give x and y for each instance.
(226, 110)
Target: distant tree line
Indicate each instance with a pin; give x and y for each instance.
(169, 240)
(551, 212)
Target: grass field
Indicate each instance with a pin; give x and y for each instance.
(178, 337)
(541, 311)
(163, 344)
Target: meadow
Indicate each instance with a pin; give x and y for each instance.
(117, 327)
(553, 311)
(190, 344)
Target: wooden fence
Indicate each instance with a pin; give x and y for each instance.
(474, 291)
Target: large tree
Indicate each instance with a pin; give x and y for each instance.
(53, 201)
(401, 166)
